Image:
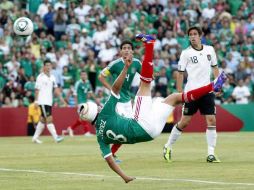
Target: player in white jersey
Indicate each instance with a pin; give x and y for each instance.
(199, 61)
(45, 87)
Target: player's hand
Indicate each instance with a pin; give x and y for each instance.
(129, 179)
(218, 94)
(128, 60)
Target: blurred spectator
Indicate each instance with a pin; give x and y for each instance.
(241, 93)
(48, 19)
(43, 8)
(33, 118)
(6, 5)
(60, 19)
(84, 34)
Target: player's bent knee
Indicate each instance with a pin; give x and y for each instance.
(211, 120)
(173, 99)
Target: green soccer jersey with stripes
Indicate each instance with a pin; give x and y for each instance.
(111, 128)
(81, 90)
(115, 68)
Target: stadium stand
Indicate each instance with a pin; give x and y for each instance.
(86, 34)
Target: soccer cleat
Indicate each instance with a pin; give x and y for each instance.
(37, 141)
(167, 154)
(88, 134)
(218, 83)
(146, 38)
(117, 160)
(59, 139)
(212, 159)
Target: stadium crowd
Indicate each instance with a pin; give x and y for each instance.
(81, 35)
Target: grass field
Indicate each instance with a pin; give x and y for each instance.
(76, 164)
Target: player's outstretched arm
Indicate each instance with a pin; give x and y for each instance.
(120, 79)
(112, 164)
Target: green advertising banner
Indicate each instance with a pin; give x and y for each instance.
(245, 112)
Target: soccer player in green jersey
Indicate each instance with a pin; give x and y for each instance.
(124, 105)
(149, 117)
(83, 91)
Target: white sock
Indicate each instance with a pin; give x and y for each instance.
(52, 130)
(39, 129)
(174, 135)
(211, 137)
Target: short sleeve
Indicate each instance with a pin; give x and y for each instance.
(105, 148)
(214, 58)
(139, 66)
(38, 83)
(54, 82)
(105, 72)
(182, 62)
(76, 88)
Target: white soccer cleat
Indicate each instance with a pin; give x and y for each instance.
(37, 141)
(59, 139)
(88, 134)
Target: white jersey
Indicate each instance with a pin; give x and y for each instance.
(198, 65)
(45, 85)
(241, 94)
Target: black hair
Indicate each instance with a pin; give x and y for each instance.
(198, 29)
(47, 61)
(31, 98)
(126, 42)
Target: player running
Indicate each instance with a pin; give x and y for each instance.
(83, 91)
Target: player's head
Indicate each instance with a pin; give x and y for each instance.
(83, 75)
(126, 48)
(195, 34)
(47, 65)
(88, 111)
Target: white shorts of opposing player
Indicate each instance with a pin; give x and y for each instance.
(151, 115)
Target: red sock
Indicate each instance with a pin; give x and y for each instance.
(114, 148)
(76, 124)
(197, 93)
(85, 126)
(147, 66)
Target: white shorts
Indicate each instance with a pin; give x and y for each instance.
(151, 114)
(124, 109)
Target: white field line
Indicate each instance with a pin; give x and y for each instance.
(138, 178)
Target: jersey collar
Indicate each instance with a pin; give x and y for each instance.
(198, 49)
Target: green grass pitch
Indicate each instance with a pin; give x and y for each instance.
(76, 163)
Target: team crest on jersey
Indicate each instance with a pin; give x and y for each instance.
(209, 57)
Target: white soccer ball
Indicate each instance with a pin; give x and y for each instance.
(23, 26)
(88, 111)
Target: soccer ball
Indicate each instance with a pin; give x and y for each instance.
(88, 111)
(23, 26)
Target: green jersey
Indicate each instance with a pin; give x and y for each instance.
(81, 90)
(115, 68)
(111, 128)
